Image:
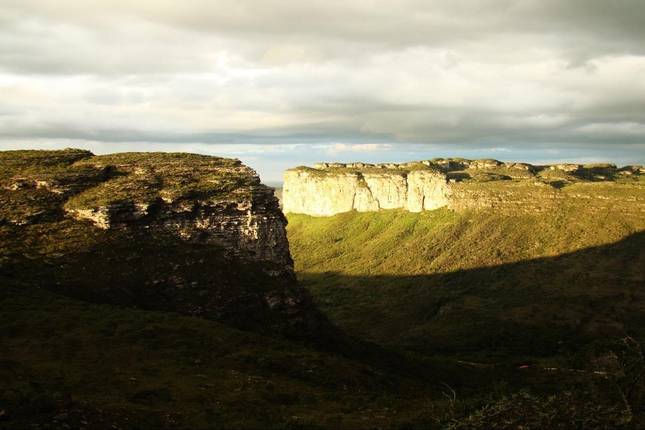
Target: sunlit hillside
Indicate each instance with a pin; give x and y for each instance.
(479, 286)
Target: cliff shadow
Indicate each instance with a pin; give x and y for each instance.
(160, 272)
(551, 306)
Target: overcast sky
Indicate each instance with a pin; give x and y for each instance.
(282, 83)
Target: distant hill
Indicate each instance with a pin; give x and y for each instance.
(459, 184)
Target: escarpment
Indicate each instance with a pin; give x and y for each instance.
(322, 193)
(459, 184)
(195, 234)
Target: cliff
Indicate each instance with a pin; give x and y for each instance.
(331, 188)
(195, 234)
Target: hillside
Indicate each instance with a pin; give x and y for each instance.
(150, 290)
(482, 285)
(557, 293)
(67, 363)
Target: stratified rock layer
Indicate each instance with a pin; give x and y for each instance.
(310, 192)
(196, 234)
(459, 184)
(198, 198)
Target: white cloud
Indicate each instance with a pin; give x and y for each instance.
(338, 148)
(363, 74)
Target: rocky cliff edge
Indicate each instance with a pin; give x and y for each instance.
(190, 233)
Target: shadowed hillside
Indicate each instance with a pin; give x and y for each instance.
(544, 307)
(552, 295)
(189, 233)
(66, 363)
(479, 285)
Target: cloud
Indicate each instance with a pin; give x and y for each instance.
(361, 75)
(337, 148)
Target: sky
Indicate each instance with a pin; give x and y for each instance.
(292, 82)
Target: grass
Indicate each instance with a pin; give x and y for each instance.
(65, 362)
(91, 182)
(147, 177)
(402, 243)
(31, 161)
(481, 285)
(495, 289)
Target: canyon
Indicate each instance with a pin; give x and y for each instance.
(168, 290)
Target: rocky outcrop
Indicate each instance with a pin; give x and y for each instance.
(195, 234)
(308, 191)
(427, 190)
(459, 184)
(206, 199)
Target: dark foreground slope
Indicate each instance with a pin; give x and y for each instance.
(67, 363)
(84, 240)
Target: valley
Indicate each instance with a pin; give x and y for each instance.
(159, 290)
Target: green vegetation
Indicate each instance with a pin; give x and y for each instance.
(70, 363)
(125, 188)
(33, 184)
(554, 290)
(393, 243)
(144, 178)
(30, 161)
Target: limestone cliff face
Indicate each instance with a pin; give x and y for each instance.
(195, 234)
(427, 190)
(459, 184)
(310, 192)
(201, 199)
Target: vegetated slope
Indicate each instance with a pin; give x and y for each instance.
(67, 363)
(179, 233)
(547, 295)
(183, 234)
(479, 285)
